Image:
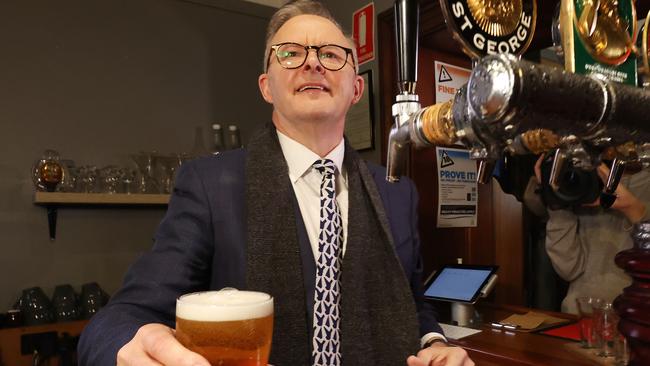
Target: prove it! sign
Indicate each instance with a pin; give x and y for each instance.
(363, 33)
(457, 188)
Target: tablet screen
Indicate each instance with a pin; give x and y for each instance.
(459, 283)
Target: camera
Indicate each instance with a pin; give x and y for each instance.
(576, 186)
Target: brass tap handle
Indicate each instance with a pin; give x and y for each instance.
(438, 125)
(539, 140)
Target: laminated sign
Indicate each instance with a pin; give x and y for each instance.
(457, 188)
(448, 79)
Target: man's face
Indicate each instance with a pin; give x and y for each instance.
(310, 92)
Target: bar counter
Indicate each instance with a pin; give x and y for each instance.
(495, 347)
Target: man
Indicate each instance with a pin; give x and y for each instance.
(251, 220)
(582, 242)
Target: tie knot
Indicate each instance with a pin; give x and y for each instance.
(325, 166)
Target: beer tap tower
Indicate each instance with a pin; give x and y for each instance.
(515, 106)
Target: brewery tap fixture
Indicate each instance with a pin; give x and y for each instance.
(518, 106)
(407, 101)
(508, 27)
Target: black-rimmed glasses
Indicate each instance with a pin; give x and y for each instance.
(293, 55)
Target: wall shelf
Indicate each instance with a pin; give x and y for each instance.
(52, 200)
(62, 198)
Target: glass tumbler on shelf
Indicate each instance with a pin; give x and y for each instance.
(128, 181)
(87, 179)
(47, 172)
(69, 176)
(110, 179)
(145, 165)
(167, 166)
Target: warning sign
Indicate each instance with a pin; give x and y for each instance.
(445, 160)
(444, 75)
(448, 79)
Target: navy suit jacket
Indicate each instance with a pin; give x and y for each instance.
(200, 244)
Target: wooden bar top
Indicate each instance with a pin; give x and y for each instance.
(493, 347)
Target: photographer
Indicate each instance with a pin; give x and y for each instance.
(582, 240)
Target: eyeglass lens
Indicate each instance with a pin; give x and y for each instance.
(292, 55)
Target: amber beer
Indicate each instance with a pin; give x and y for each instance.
(227, 327)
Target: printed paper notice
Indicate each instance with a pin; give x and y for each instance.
(448, 79)
(457, 188)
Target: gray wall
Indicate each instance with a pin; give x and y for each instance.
(97, 80)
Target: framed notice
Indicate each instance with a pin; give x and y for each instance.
(359, 124)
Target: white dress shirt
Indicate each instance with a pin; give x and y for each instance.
(306, 181)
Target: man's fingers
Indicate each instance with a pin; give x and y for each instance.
(603, 172)
(415, 361)
(441, 356)
(456, 358)
(160, 344)
(139, 359)
(133, 354)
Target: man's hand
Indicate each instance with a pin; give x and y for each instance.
(626, 202)
(155, 344)
(439, 354)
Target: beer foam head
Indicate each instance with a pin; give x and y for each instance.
(224, 305)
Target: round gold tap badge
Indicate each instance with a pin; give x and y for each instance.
(645, 47)
(486, 27)
(607, 28)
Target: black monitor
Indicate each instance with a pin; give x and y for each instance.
(458, 282)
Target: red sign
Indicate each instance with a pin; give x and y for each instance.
(363, 33)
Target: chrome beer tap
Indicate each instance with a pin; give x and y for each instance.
(407, 101)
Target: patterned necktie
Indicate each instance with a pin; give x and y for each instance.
(326, 341)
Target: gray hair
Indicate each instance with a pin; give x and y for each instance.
(294, 8)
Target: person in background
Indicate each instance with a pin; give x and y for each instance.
(582, 242)
(296, 205)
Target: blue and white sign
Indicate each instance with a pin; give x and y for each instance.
(457, 188)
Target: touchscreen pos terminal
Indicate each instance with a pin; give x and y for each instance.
(462, 285)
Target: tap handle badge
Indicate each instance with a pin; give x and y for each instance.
(487, 27)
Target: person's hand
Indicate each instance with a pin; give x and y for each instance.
(626, 202)
(440, 354)
(155, 344)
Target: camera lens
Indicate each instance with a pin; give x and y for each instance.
(576, 186)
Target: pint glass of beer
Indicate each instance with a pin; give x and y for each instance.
(227, 327)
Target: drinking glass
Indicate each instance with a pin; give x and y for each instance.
(605, 323)
(145, 163)
(588, 337)
(110, 179)
(621, 350)
(227, 327)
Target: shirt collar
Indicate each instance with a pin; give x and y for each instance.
(300, 159)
